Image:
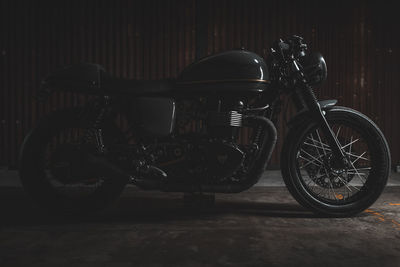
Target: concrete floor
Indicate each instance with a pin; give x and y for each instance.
(269, 178)
(261, 227)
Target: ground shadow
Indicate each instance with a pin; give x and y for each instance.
(18, 210)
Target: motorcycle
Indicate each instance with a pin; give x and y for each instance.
(212, 129)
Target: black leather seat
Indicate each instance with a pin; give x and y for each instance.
(140, 87)
(93, 79)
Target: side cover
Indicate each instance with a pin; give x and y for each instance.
(153, 116)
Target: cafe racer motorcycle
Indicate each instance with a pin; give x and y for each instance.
(212, 129)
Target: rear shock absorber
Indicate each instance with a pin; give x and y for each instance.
(95, 129)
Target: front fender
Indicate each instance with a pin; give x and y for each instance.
(304, 115)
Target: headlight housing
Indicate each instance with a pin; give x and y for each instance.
(314, 68)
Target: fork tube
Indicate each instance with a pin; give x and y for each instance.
(315, 109)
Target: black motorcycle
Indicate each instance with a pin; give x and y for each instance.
(210, 130)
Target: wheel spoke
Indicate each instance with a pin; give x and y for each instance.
(364, 169)
(347, 184)
(354, 171)
(358, 157)
(349, 144)
(358, 174)
(308, 154)
(322, 177)
(308, 162)
(319, 138)
(337, 133)
(316, 146)
(322, 144)
(344, 183)
(353, 155)
(319, 155)
(351, 139)
(333, 190)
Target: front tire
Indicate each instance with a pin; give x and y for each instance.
(317, 184)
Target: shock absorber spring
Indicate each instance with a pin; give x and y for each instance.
(95, 129)
(99, 118)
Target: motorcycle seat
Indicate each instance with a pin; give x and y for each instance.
(132, 86)
(92, 78)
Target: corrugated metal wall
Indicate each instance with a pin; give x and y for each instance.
(157, 39)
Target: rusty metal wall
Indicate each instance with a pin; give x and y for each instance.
(358, 39)
(132, 39)
(157, 39)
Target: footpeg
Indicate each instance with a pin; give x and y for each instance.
(149, 178)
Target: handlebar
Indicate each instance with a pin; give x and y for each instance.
(287, 54)
(293, 47)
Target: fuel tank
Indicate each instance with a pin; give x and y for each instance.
(235, 71)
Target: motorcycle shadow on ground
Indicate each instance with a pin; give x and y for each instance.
(154, 207)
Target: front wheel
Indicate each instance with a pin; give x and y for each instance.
(314, 180)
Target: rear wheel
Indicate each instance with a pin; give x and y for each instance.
(314, 180)
(52, 168)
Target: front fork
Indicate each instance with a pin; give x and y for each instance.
(311, 102)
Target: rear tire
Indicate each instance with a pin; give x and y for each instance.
(361, 196)
(35, 179)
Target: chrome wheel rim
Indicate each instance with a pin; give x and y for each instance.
(321, 179)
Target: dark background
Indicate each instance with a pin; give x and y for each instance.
(157, 39)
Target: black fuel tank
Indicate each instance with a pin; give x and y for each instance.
(234, 71)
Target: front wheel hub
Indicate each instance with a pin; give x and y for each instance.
(332, 175)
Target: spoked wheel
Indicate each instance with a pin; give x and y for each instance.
(318, 182)
(53, 168)
(64, 163)
(316, 164)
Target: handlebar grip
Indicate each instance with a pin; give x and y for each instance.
(284, 46)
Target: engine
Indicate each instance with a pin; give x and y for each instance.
(200, 160)
(205, 146)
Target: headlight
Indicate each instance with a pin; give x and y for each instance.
(314, 67)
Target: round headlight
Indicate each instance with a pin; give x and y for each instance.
(314, 67)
